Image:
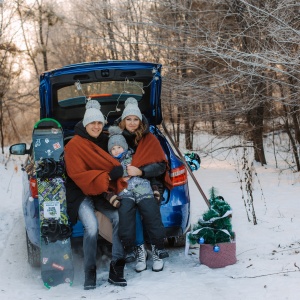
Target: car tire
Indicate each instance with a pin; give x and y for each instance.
(177, 241)
(34, 253)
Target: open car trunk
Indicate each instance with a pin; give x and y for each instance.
(64, 92)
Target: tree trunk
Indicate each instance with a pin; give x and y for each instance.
(1, 126)
(43, 45)
(295, 117)
(213, 121)
(293, 142)
(187, 134)
(295, 106)
(255, 120)
(178, 126)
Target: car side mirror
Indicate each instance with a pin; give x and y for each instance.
(18, 149)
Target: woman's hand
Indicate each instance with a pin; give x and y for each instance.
(126, 178)
(133, 171)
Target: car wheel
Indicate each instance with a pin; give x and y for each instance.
(34, 253)
(177, 241)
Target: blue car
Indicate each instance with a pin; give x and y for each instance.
(63, 93)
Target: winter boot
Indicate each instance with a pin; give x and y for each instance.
(130, 257)
(161, 252)
(158, 264)
(130, 254)
(141, 258)
(90, 279)
(116, 273)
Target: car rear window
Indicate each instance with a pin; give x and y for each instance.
(69, 98)
(108, 91)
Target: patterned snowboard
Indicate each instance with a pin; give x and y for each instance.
(56, 252)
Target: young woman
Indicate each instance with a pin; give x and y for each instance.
(148, 161)
(91, 172)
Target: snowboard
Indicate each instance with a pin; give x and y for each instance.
(55, 231)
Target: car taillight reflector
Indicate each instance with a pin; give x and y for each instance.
(179, 176)
(33, 187)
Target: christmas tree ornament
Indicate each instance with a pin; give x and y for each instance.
(201, 240)
(193, 160)
(216, 248)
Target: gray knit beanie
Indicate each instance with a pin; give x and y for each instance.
(131, 108)
(116, 138)
(92, 113)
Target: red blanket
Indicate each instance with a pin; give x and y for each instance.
(88, 166)
(150, 151)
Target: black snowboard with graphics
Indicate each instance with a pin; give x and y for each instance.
(56, 252)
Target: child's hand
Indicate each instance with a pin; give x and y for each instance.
(126, 178)
(133, 171)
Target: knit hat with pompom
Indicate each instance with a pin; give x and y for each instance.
(131, 109)
(92, 113)
(116, 138)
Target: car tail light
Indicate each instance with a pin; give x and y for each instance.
(33, 187)
(179, 176)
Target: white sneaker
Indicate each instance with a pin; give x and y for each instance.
(141, 254)
(158, 264)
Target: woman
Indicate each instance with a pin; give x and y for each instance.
(91, 172)
(149, 161)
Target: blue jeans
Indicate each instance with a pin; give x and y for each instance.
(139, 231)
(88, 218)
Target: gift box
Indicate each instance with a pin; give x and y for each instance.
(226, 255)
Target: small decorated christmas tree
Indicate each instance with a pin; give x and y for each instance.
(215, 225)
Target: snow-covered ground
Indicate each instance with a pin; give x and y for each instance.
(268, 259)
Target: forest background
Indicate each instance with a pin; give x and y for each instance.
(229, 67)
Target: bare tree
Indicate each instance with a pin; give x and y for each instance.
(40, 18)
(8, 71)
(234, 50)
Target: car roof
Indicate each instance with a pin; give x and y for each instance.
(123, 64)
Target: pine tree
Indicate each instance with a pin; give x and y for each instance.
(215, 225)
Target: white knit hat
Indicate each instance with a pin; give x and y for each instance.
(131, 108)
(92, 113)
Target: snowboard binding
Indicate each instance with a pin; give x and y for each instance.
(53, 231)
(49, 168)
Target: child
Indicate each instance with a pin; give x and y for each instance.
(138, 190)
(118, 148)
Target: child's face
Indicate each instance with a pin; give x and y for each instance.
(116, 150)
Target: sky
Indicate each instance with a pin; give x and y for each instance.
(268, 254)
